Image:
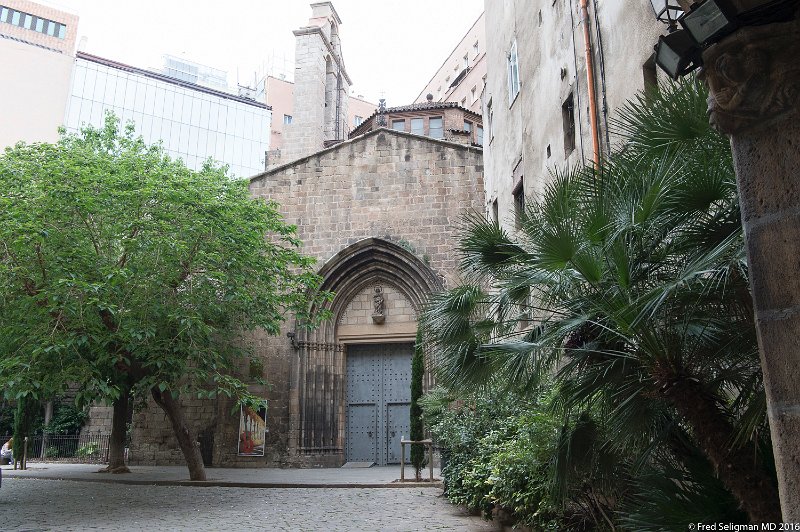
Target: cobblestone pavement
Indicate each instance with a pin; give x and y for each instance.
(35, 504)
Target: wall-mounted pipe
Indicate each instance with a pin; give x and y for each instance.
(576, 90)
(601, 57)
(587, 39)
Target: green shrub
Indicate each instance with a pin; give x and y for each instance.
(52, 452)
(90, 449)
(500, 454)
(67, 419)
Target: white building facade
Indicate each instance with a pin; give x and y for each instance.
(537, 110)
(36, 52)
(193, 122)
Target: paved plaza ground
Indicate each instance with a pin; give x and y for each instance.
(30, 501)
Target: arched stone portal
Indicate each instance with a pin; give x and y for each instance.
(379, 287)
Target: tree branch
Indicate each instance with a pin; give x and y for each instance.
(124, 258)
(186, 265)
(91, 233)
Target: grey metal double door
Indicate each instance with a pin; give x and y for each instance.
(378, 401)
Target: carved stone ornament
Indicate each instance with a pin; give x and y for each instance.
(378, 314)
(754, 77)
(381, 119)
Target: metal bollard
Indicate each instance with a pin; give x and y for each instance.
(430, 458)
(402, 459)
(25, 453)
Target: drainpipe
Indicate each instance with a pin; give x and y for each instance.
(577, 91)
(601, 56)
(590, 83)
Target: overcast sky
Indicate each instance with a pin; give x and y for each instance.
(391, 48)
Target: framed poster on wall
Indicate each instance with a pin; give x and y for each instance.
(252, 430)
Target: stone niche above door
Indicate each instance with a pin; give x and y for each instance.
(378, 312)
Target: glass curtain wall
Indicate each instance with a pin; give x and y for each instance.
(192, 124)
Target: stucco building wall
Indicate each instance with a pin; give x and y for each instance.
(459, 81)
(38, 71)
(35, 92)
(525, 137)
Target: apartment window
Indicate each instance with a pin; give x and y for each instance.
(464, 101)
(31, 22)
(519, 202)
(650, 74)
(399, 125)
(518, 192)
(439, 93)
(436, 127)
(513, 73)
(287, 119)
(466, 61)
(447, 81)
(358, 120)
(495, 212)
(490, 118)
(467, 126)
(479, 136)
(474, 93)
(568, 118)
(475, 48)
(418, 126)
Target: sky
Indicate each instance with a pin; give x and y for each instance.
(391, 48)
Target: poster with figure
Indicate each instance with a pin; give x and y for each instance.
(252, 430)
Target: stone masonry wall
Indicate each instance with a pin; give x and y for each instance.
(99, 420)
(397, 308)
(390, 185)
(384, 184)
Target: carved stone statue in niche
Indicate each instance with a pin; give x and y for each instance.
(378, 314)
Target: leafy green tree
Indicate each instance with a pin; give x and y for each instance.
(627, 281)
(417, 429)
(124, 272)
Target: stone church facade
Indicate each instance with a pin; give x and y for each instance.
(380, 213)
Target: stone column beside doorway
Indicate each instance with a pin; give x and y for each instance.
(754, 78)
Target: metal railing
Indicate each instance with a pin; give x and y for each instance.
(85, 448)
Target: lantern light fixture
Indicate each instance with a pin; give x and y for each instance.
(665, 11)
(709, 21)
(677, 53)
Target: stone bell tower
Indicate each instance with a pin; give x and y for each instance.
(321, 86)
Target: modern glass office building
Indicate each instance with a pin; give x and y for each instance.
(192, 121)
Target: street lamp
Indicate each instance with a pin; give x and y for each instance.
(709, 21)
(677, 53)
(706, 23)
(663, 9)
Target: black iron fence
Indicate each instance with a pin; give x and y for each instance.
(77, 448)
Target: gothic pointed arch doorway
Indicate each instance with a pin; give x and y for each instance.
(351, 378)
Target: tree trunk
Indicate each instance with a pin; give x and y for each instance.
(119, 429)
(740, 470)
(48, 417)
(186, 439)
